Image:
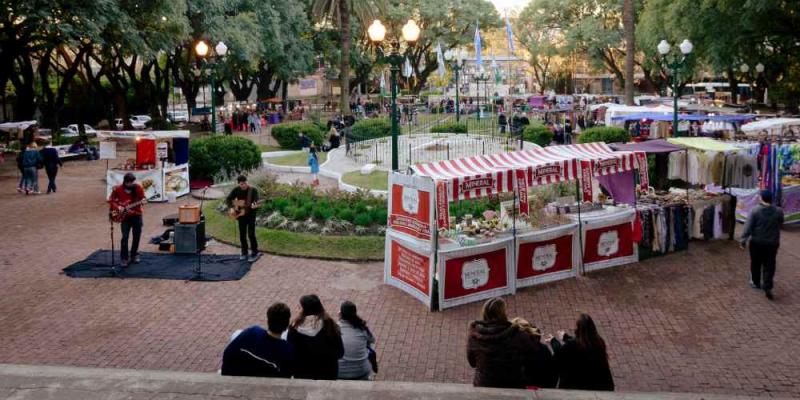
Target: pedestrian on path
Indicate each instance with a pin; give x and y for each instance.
(763, 230)
(313, 163)
(31, 162)
(51, 162)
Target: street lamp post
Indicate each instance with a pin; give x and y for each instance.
(202, 51)
(676, 64)
(377, 32)
(457, 65)
(481, 76)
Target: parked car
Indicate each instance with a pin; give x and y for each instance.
(139, 121)
(72, 130)
(178, 116)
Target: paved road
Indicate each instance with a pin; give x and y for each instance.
(686, 322)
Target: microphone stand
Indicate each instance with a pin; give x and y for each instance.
(114, 271)
(198, 273)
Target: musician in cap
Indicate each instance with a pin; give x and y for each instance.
(243, 202)
(126, 206)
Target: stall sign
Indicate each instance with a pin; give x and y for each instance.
(608, 164)
(644, 179)
(477, 183)
(410, 212)
(162, 150)
(545, 257)
(108, 150)
(469, 275)
(608, 243)
(442, 206)
(543, 172)
(586, 180)
(177, 180)
(522, 191)
(409, 268)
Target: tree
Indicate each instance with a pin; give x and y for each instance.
(541, 43)
(628, 18)
(338, 13)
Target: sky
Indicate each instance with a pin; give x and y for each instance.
(503, 5)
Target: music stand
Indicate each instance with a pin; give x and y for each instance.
(198, 272)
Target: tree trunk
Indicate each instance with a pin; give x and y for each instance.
(630, 48)
(734, 85)
(344, 69)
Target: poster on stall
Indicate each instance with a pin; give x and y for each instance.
(475, 273)
(411, 206)
(176, 179)
(149, 179)
(548, 255)
(108, 150)
(409, 267)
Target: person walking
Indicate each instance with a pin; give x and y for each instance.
(763, 231)
(31, 162)
(317, 341)
(497, 348)
(247, 199)
(313, 163)
(51, 162)
(582, 361)
(357, 339)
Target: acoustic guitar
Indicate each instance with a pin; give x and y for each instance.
(239, 208)
(119, 215)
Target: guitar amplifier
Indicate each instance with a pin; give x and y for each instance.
(190, 238)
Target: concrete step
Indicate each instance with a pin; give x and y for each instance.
(32, 382)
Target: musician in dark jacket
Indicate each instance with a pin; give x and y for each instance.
(582, 361)
(247, 221)
(498, 349)
(121, 200)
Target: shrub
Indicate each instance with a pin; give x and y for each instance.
(287, 134)
(370, 129)
(362, 219)
(345, 214)
(606, 134)
(452, 127)
(538, 134)
(222, 154)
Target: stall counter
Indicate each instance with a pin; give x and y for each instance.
(608, 237)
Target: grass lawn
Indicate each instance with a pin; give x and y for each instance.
(355, 248)
(298, 159)
(377, 180)
(265, 148)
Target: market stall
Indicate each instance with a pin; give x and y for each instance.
(161, 164)
(773, 127)
(658, 125)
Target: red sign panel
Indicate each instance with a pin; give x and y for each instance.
(540, 258)
(522, 191)
(586, 180)
(442, 205)
(644, 179)
(608, 243)
(545, 171)
(411, 267)
(469, 184)
(608, 163)
(411, 213)
(475, 274)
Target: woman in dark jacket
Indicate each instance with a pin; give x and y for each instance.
(497, 348)
(582, 361)
(317, 341)
(539, 369)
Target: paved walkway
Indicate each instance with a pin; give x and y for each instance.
(687, 322)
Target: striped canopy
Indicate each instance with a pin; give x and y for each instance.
(604, 160)
(541, 168)
(469, 177)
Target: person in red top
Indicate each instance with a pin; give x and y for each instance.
(129, 192)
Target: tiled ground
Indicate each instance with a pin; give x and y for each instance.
(687, 322)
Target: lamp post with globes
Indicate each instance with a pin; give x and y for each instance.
(457, 61)
(676, 64)
(201, 49)
(377, 32)
(481, 76)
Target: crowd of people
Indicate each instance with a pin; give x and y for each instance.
(312, 345)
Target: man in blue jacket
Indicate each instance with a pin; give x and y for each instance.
(763, 230)
(259, 352)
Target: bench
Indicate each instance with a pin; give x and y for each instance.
(65, 155)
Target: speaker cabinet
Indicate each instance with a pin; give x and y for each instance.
(190, 238)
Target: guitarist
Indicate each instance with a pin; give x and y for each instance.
(127, 193)
(247, 222)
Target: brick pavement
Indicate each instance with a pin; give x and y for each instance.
(686, 322)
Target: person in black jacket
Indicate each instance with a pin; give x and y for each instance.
(497, 348)
(582, 361)
(539, 369)
(256, 352)
(51, 163)
(317, 341)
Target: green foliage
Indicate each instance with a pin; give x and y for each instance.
(287, 135)
(363, 219)
(605, 134)
(451, 127)
(539, 134)
(371, 128)
(222, 154)
(474, 207)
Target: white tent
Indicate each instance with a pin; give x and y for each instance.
(616, 110)
(14, 126)
(773, 126)
(142, 134)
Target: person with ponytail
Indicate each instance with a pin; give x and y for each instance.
(582, 361)
(317, 341)
(357, 340)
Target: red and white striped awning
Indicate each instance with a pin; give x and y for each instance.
(542, 169)
(469, 177)
(604, 160)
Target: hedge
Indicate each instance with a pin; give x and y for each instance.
(371, 128)
(217, 154)
(539, 134)
(606, 134)
(452, 127)
(287, 134)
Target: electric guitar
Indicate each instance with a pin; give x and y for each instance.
(239, 208)
(119, 215)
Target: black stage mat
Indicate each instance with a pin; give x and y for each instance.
(162, 266)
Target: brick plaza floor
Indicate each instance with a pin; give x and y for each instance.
(685, 322)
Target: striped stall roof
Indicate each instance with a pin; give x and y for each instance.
(469, 177)
(542, 168)
(605, 161)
